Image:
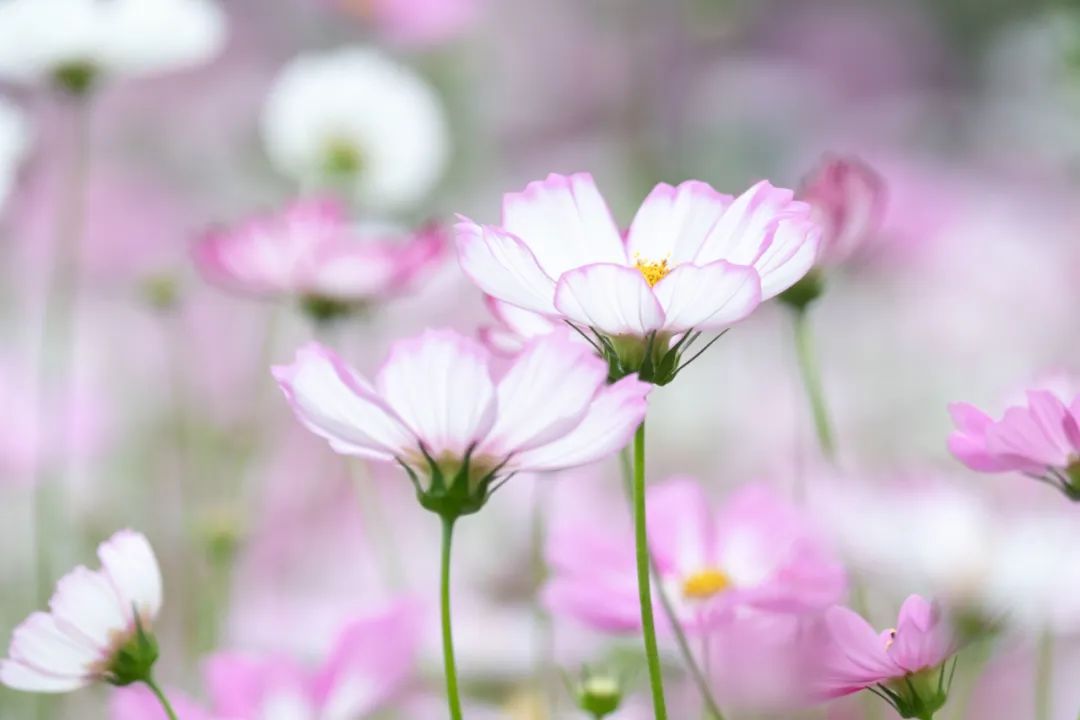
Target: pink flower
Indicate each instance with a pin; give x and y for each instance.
(1040, 438)
(905, 665)
(848, 201)
(515, 327)
(310, 250)
(416, 22)
(435, 409)
(93, 615)
(693, 260)
(138, 703)
(755, 552)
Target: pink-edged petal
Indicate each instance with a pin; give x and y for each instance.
(968, 442)
(1023, 434)
(613, 299)
(707, 297)
(673, 222)
(857, 656)
(503, 266)
(128, 561)
(86, 606)
(18, 676)
(335, 403)
(544, 394)
(40, 644)
(745, 230)
(516, 326)
(682, 534)
(565, 222)
(615, 413)
(439, 384)
(921, 640)
(790, 254)
(848, 200)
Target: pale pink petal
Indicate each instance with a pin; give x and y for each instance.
(243, 686)
(922, 640)
(336, 404)
(848, 200)
(613, 299)
(20, 677)
(544, 394)
(128, 561)
(745, 230)
(501, 265)
(682, 534)
(440, 386)
(672, 222)
(86, 606)
(1024, 434)
(1053, 417)
(707, 297)
(856, 657)
(615, 413)
(789, 255)
(39, 643)
(516, 326)
(138, 703)
(565, 222)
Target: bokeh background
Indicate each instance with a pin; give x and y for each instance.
(968, 290)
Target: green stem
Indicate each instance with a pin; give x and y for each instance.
(811, 377)
(450, 666)
(1044, 671)
(641, 543)
(161, 698)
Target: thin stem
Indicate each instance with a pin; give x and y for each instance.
(161, 698)
(450, 666)
(811, 377)
(1044, 673)
(641, 543)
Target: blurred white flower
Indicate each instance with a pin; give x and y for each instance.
(14, 139)
(75, 41)
(358, 119)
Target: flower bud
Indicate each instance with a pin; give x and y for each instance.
(599, 693)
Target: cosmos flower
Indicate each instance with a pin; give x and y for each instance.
(436, 409)
(756, 552)
(514, 327)
(1040, 438)
(847, 198)
(74, 42)
(905, 665)
(694, 260)
(356, 119)
(309, 250)
(98, 625)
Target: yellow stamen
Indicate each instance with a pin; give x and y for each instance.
(653, 272)
(705, 583)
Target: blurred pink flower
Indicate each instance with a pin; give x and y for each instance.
(692, 259)
(436, 410)
(309, 249)
(858, 657)
(756, 552)
(1040, 438)
(138, 703)
(416, 22)
(847, 198)
(93, 615)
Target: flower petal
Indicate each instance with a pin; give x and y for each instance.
(501, 265)
(565, 222)
(682, 534)
(745, 230)
(613, 299)
(39, 643)
(673, 222)
(789, 256)
(87, 607)
(440, 386)
(921, 640)
(337, 404)
(707, 297)
(615, 413)
(18, 676)
(857, 656)
(128, 561)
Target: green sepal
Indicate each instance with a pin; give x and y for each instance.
(808, 289)
(134, 660)
(455, 489)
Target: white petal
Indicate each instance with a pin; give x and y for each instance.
(128, 561)
(39, 643)
(614, 299)
(613, 416)
(502, 266)
(86, 606)
(789, 256)
(439, 384)
(709, 297)
(337, 404)
(673, 222)
(20, 677)
(545, 394)
(744, 231)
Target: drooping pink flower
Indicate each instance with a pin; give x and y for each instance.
(905, 663)
(848, 201)
(693, 260)
(310, 250)
(435, 409)
(93, 615)
(1040, 438)
(755, 552)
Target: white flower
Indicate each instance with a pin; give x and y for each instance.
(92, 616)
(14, 139)
(40, 40)
(358, 117)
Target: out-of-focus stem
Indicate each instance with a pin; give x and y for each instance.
(160, 695)
(449, 664)
(641, 552)
(1044, 676)
(811, 377)
(542, 621)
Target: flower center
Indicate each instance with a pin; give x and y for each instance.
(653, 272)
(705, 583)
(341, 158)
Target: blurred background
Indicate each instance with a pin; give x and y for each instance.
(166, 418)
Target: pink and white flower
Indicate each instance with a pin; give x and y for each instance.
(905, 664)
(309, 249)
(693, 259)
(92, 616)
(1040, 438)
(847, 198)
(757, 552)
(514, 326)
(436, 409)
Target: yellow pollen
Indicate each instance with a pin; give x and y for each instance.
(705, 583)
(653, 272)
